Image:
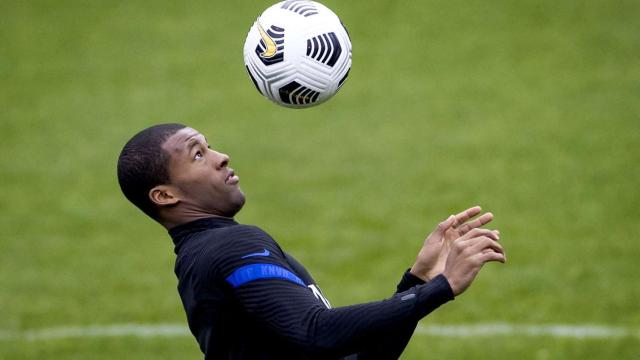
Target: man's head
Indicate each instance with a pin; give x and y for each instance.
(170, 173)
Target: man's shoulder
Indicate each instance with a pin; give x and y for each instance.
(236, 243)
(235, 248)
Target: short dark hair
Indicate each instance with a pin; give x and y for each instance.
(144, 164)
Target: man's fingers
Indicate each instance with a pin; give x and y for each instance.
(476, 223)
(487, 256)
(462, 217)
(445, 225)
(473, 233)
(484, 243)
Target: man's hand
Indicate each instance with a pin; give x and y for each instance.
(433, 255)
(467, 255)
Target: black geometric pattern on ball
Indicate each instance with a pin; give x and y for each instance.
(297, 94)
(339, 83)
(325, 48)
(277, 35)
(253, 79)
(302, 7)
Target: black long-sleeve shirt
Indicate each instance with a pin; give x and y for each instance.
(245, 298)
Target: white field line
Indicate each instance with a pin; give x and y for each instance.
(462, 330)
(529, 330)
(117, 330)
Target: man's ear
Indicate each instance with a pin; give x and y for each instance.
(163, 195)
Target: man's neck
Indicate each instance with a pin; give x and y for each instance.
(171, 222)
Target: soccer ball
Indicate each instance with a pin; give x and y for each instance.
(298, 53)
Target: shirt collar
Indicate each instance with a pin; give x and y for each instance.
(181, 232)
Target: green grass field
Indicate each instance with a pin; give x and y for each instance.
(528, 108)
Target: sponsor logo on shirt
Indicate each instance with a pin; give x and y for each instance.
(263, 253)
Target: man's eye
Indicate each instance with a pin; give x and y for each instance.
(198, 155)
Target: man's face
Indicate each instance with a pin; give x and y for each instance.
(201, 177)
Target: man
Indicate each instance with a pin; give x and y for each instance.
(245, 298)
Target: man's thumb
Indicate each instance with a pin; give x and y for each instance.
(445, 225)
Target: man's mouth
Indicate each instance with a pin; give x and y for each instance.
(231, 178)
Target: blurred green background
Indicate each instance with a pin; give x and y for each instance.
(528, 108)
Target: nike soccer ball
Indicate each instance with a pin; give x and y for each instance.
(298, 53)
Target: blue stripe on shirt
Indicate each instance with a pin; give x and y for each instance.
(248, 273)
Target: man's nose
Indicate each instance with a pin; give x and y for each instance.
(222, 160)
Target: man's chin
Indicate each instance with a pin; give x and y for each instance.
(236, 204)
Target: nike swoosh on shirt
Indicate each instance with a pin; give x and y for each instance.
(264, 253)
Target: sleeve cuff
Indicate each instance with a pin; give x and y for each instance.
(408, 281)
(441, 283)
(433, 294)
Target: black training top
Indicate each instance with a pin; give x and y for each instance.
(245, 298)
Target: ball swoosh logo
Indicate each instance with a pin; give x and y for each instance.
(271, 47)
(264, 253)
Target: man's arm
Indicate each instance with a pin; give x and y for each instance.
(429, 263)
(393, 344)
(293, 312)
(273, 295)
